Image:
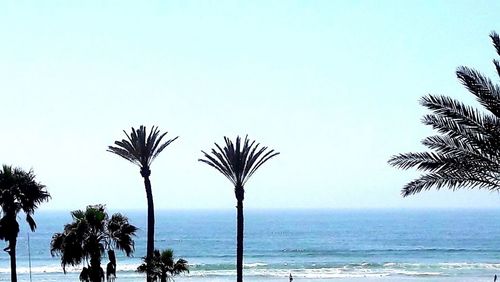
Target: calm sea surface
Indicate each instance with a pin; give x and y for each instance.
(320, 245)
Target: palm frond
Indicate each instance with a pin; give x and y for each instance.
(480, 86)
(496, 41)
(451, 180)
(121, 233)
(453, 109)
(480, 141)
(455, 148)
(31, 222)
(218, 162)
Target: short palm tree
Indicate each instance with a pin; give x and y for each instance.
(141, 148)
(238, 162)
(162, 267)
(19, 191)
(466, 153)
(87, 238)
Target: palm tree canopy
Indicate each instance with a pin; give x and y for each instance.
(19, 191)
(466, 153)
(238, 161)
(163, 263)
(141, 148)
(91, 233)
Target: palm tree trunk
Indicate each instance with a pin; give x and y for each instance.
(95, 270)
(151, 223)
(12, 254)
(239, 239)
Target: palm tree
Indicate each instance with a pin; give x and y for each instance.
(238, 163)
(466, 153)
(162, 267)
(141, 149)
(19, 191)
(88, 236)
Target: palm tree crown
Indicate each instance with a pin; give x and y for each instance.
(466, 153)
(141, 148)
(19, 191)
(88, 236)
(238, 162)
(163, 267)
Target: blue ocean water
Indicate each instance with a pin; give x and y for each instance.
(313, 245)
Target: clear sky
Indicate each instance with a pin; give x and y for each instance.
(332, 85)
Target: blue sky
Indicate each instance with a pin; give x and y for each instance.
(332, 85)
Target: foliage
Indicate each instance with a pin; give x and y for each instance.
(19, 191)
(88, 236)
(162, 266)
(238, 162)
(141, 148)
(466, 153)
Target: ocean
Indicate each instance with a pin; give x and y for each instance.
(312, 245)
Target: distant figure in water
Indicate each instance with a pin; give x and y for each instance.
(495, 278)
(291, 278)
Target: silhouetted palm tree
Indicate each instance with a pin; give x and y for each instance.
(162, 267)
(18, 192)
(238, 162)
(87, 238)
(141, 149)
(466, 153)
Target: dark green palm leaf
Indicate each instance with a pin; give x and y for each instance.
(467, 153)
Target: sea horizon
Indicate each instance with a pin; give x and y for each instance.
(264, 209)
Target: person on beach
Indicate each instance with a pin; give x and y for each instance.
(291, 278)
(495, 278)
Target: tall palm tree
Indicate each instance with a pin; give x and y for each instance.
(238, 162)
(163, 267)
(88, 236)
(466, 153)
(19, 191)
(141, 148)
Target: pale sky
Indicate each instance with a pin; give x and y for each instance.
(332, 85)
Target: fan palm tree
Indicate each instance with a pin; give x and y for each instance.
(238, 162)
(141, 148)
(88, 236)
(162, 267)
(466, 153)
(19, 191)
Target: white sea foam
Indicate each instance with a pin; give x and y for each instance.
(339, 272)
(252, 265)
(260, 269)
